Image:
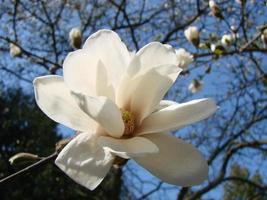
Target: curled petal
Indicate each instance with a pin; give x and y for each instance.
(84, 161)
(103, 111)
(128, 148)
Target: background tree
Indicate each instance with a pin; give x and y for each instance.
(233, 74)
(243, 185)
(25, 129)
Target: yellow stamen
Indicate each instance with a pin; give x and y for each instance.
(129, 123)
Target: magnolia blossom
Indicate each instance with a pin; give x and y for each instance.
(75, 38)
(192, 35)
(184, 58)
(14, 50)
(195, 86)
(227, 40)
(113, 99)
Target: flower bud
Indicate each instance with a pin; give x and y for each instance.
(213, 47)
(217, 49)
(195, 86)
(227, 40)
(264, 37)
(215, 10)
(192, 35)
(23, 158)
(184, 58)
(14, 50)
(75, 38)
(240, 1)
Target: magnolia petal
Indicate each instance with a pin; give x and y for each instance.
(108, 47)
(128, 148)
(164, 104)
(176, 162)
(177, 115)
(55, 100)
(152, 55)
(81, 68)
(80, 72)
(84, 161)
(142, 94)
(104, 111)
(103, 87)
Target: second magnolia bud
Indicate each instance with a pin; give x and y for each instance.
(216, 11)
(192, 35)
(14, 50)
(75, 38)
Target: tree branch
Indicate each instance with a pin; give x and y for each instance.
(30, 168)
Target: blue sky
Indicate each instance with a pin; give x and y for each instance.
(214, 84)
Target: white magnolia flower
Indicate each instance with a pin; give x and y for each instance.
(75, 37)
(14, 50)
(227, 40)
(192, 35)
(184, 58)
(113, 99)
(195, 86)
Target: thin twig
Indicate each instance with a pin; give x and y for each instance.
(28, 169)
(253, 39)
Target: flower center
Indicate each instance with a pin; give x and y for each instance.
(129, 122)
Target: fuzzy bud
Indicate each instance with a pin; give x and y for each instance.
(215, 10)
(23, 158)
(227, 40)
(213, 47)
(195, 86)
(14, 50)
(192, 35)
(75, 38)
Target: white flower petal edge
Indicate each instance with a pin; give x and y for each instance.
(84, 161)
(177, 115)
(111, 51)
(164, 104)
(103, 111)
(128, 148)
(55, 100)
(80, 67)
(176, 163)
(142, 62)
